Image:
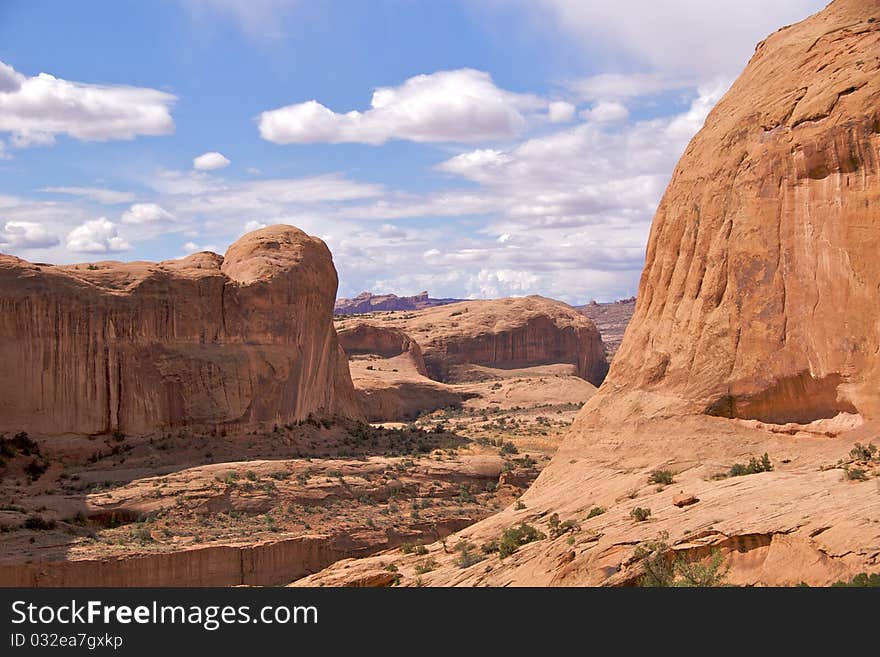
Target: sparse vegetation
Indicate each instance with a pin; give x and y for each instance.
(661, 477)
(661, 569)
(862, 580)
(754, 466)
(640, 514)
(560, 528)
(515, 537)
(861, 452)
(596, 511)
(853, 473)
(38, 522)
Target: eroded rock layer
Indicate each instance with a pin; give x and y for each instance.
(134, 347)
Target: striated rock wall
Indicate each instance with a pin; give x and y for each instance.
(203, 340)
(367, 302)
(759, 297)
(509, 333)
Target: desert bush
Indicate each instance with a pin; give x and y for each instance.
(596, 511)
(515, 537)
(36, 468)
(519, 506)
(640, 514)
(426, 566)
(661, 477)
(861, 452)
(509, 448)
(754, 466)
(861, 580)
(663, 570)
(38, 522)
(560, 528)
(855, 474)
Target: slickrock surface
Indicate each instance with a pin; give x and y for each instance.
(205, 340)
(367, 302)
(755, 332)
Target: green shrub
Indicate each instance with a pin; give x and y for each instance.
(861, 452)
(515, 537)
(662, 570)
(426, 566)
(855, 474)
(596, 511)
(861, 580)
(38, 522)
(36, 468)
(661, 477)
(640, 514)
(754, 466)
(560, 528)
(509, 448)
(519, 506)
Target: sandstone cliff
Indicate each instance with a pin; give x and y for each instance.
(506, 333)
(755, 332)
(207, 340)
(366, 302)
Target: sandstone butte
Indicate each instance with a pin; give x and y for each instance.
(205, 340)
(755, 331)
(444, 356)
(505, 333)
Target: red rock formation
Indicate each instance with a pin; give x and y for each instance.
(383, 341)
(207, 340)
(759, 298)
(366, 302)
(508, 333)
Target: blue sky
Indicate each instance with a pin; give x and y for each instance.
(511, 147)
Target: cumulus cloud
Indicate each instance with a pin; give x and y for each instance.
(463, 105)
(96, 194)
(146, 213)
(26, 235)
(210, 161)
(560, 112)
(253, 225)
(606, 111)
(34, 110)
(96, 236)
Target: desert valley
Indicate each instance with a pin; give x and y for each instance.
(224, 420)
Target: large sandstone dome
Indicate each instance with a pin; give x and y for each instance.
(760, 294)
(205, 340)
(755, 332)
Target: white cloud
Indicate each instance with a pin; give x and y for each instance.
(210, 161)
(606, 111)
(26, 235)
(96, 236)
(97, 194)
(146, 213)
(620, 86)
(463, 105)
(253, 225)
(671, 35)
(42, 107)
(560, 112)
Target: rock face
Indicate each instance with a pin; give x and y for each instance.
(755, 332)
(366, 302)
(383, 341)
(206, 340)
(759, 298)
(507, 333)
(611, 319)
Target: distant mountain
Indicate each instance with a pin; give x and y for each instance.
(611, 319)
(367, 302)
